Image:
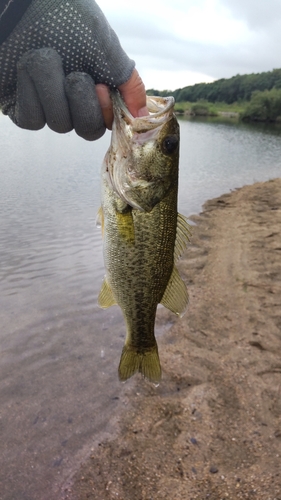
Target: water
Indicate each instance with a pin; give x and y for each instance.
(218, 156)
(59, 352)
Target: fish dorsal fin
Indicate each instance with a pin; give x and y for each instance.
(175, 297)
(106, 298)
(182, 238)
(100, 219)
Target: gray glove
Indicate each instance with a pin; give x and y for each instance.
(51, 61)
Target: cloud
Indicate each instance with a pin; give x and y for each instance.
(258, 14)
(189, 39)
(206, 59)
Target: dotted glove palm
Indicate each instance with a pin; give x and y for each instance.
(51, 61)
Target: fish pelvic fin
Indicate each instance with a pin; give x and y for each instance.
(147, 363)
(100, 220)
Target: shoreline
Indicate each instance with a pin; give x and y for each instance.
(223, 114)
(212, 428)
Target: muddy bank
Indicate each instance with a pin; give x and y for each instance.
(212, 429)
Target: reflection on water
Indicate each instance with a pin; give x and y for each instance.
(59, 352)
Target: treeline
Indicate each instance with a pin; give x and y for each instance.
(228, 90)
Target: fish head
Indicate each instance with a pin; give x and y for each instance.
(143, 157)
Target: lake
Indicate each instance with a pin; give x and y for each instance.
(59, 351)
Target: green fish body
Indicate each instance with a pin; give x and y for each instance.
(143, 235)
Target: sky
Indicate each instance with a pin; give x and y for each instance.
(177, 43)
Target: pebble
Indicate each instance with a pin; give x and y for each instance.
(193, 441)
(213, 469)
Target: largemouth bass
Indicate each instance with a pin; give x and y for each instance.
(143, 234)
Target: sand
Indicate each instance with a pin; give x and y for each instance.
(212, 429)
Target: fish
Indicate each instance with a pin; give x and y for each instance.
(143, 234)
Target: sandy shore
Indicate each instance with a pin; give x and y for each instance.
(212, 429)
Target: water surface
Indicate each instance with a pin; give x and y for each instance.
(59, 351)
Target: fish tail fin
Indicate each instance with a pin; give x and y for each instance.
(147, 363)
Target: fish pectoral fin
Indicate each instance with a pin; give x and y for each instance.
(175, 296)
(183, 235)
(125, 226)
(100, 219)
(147, 363)
(106, 298)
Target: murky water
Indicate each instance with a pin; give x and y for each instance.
(59, 352)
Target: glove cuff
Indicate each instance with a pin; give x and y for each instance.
(11, 13)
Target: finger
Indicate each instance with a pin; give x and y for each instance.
(45, 69)
(28, 112)
(105, 104)
(133, 92)
(86, 112)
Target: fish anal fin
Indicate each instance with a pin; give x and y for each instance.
(106, 298)
(175, 296)
(147, 363)
(183, 235)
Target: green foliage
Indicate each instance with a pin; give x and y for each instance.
(264, 106)
(235, 107)
(162, 93)
(180, 110)
(200, 109)
(183, 108)
(189, 108)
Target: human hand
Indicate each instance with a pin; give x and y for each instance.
(133, 93)
(50, 65)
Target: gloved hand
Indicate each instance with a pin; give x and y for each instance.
(51, 62)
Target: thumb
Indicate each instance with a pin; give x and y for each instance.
(133, 93)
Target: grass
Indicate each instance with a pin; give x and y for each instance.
(205, 108)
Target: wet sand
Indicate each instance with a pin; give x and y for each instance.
(212, 429)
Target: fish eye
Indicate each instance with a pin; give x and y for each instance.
(170, 144)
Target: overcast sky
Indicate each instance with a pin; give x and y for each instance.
(181, 42)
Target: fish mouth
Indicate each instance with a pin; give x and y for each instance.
(159, 108)
(131, 138)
